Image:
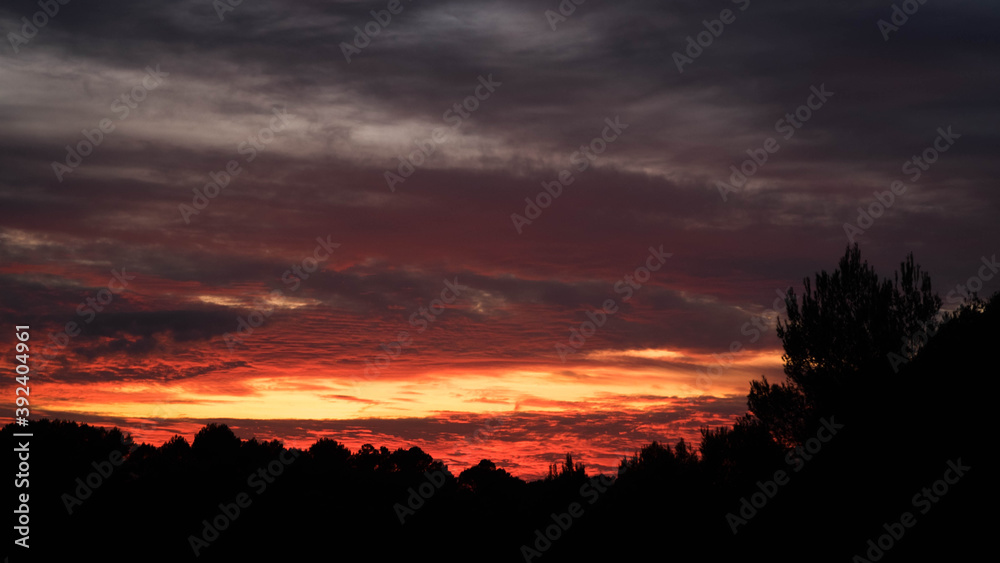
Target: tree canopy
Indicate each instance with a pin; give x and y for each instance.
(846, 326)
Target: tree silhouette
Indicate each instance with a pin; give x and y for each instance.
(845, 328)
(652, 457)
(738, 453)
(413, 460)
(781, 408)
(567, 471)
(330, 453)
(215, 440)
(175, 448)
(485, 478)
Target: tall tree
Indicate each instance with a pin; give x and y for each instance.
(846, 326)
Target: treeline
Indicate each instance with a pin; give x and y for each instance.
(857, 456)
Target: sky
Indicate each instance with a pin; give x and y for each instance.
(505, 230)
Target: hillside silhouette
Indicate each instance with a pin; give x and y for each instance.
(884, 397)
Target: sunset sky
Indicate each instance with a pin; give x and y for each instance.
(330, 177)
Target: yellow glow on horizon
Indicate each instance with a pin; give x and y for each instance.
(287, 394)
